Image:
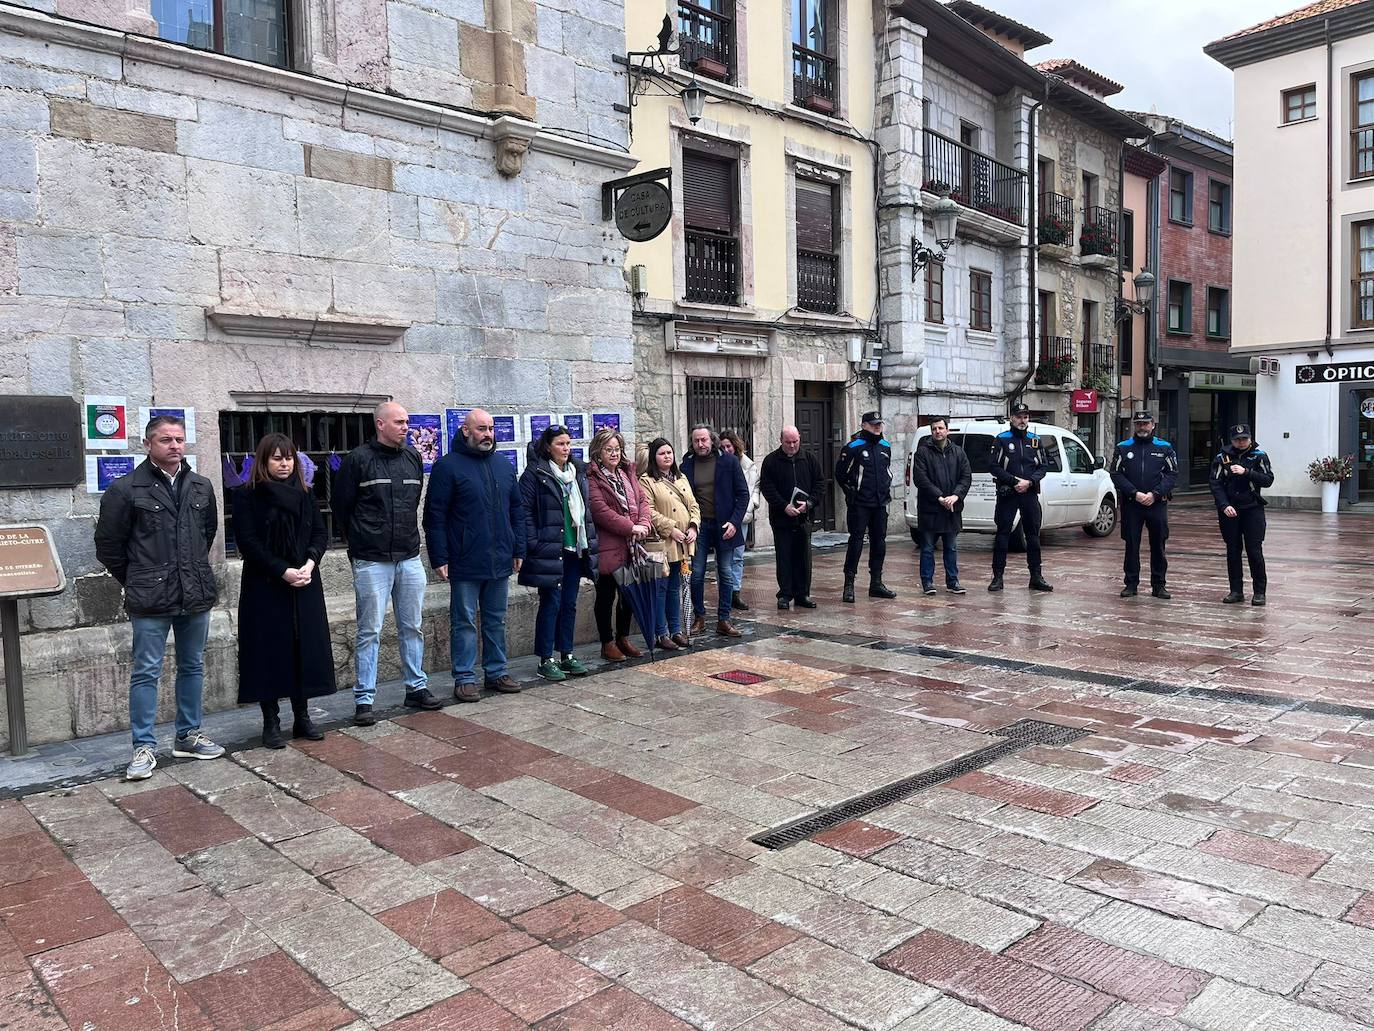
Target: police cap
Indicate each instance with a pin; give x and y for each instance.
(1020, 408)
(872, 417)
(1142, 416)
(1240, 430)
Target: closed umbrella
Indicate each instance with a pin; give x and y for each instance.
(638, 582)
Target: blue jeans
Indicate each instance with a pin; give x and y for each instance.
(951, 553)
(709, 540)
(465, 596)
(404, 583)
(150, 645)
(737, 564)
(668, 602)
(556, 620)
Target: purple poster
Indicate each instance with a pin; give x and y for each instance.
(604, 420)
(512, 454)
(538, 424)
(576, 425)
(425, 436)
(579, 453)
(453, 418)
(505, 429)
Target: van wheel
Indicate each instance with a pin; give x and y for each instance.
(1105, 520)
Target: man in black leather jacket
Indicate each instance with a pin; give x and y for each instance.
(376, 500)
(154, 534)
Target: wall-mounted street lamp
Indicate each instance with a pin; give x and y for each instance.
(1144, 283)
(944, 213)
(647, 69)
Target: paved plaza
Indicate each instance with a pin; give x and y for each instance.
(1195, 850)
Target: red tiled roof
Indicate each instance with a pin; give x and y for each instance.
(986, 17)
(1071, 69)
(1315, 10)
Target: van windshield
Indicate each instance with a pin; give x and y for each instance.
(978, 447)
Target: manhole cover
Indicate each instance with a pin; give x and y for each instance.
(740, 676)
(71, 760)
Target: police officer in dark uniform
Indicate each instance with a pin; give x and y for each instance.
(864, 473)
(1144, 469)
(1239, 472)
(1018, 466)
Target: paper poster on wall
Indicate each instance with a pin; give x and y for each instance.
(579, 453)
(425, 436)
(453, 418)
(186, 415)
(103, 470)
(605, 420)
(106, 423)
(576, 424)
(511, 454)
(537, 424)
(507, 428)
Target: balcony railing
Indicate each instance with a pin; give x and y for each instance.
(707, 39)
(1100, 229)
(1099, 367)
(1055, 217)
(973, 179)
(1056, 365)
(818, 281)
(712, 268)
(813, 79)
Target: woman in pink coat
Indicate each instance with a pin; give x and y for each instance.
(620, 510)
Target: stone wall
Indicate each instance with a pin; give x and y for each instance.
(169, 220)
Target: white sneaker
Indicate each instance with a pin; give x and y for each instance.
(143, 764)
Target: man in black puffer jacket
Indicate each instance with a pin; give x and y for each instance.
(154, 535)
(942, 476)
(376, 500)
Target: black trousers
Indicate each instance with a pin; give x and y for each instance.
(1008, 505)
(608, 594)
(871, 520)
(1245, 530)
(792, 542)
(1135, 520)
(299, 707)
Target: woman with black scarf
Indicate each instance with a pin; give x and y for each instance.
(284, 646)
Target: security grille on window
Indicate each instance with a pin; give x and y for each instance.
(255, 30)
(725, 403)
(322, 437)
(710, 240)
(818, 266)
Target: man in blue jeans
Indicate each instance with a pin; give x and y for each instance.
(474, 528)
(722, 494)
(376, 500)
(942, 476)
(154, 534)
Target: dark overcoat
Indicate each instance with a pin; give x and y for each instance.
(937, 473)
(284, 646)
(542, 494)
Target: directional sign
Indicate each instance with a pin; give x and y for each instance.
(642, 211)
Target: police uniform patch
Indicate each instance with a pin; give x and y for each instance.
(1130, 454)
(1011, 447)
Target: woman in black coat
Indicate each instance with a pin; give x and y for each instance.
(560, 547)
(284, 647)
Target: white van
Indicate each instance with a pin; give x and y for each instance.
(1076, 491)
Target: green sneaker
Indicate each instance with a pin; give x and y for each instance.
(549, 670)
(572, 666)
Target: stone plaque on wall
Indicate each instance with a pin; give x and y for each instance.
(40, 442)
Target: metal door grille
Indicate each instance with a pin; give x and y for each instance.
(724, 403)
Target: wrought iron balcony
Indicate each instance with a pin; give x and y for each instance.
(973, 179)
(813, 79)
(712, 268)
(707, 40)
(1055, 218)
(818, 281)
(1102, 358)
(1101, 227)
(1056, 366)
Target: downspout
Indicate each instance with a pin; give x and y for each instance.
(1330, 171)
(1032, 247)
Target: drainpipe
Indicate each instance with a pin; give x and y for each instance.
(1330, 171)
(1033, 245)
(503, 66)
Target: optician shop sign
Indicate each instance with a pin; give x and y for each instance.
(1336, 372)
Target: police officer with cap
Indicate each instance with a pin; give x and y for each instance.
(1018, 466)
(864, 473)
(1239, 473)
(1144, 469)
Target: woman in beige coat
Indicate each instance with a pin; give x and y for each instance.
(675, 517)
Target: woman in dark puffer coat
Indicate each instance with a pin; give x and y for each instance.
(560, 547)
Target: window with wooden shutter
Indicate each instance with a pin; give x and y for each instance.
(708, 192)
(818, 266)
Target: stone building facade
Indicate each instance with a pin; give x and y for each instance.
(405, 204)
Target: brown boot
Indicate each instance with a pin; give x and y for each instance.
(680, 639)
(667, 644)
(698, 626)
(724, 629)
(504, 684)
(627, 649)
(467, 692)
(611, 653)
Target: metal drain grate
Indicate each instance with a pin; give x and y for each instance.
(741, 676)
(1017, 736)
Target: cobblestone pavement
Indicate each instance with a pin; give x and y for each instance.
(578, 857)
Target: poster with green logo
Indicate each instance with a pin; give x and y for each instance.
(106, 423)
